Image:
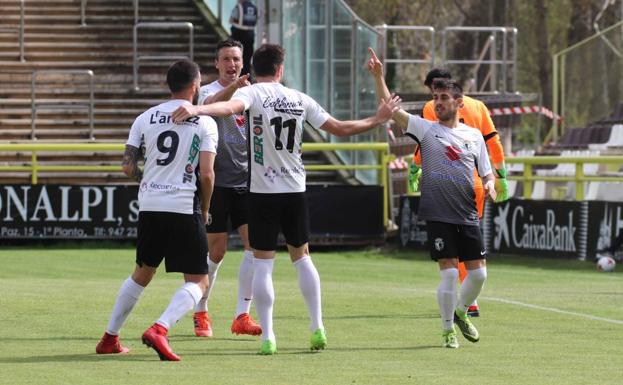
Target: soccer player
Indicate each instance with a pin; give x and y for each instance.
(229, 199)
(177, 157)
(275, 117)
(475, 114)
(451, 151)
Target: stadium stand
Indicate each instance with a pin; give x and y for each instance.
(57, 42)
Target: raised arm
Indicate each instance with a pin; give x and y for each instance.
(351, 127)
(226, 93)
(130, 163)
(220, 109)
(382, 92)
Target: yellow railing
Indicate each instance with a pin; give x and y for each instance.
(579, 178)
(384, 157)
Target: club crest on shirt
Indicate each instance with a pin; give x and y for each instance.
(439, 245)
(271, 174)
(469, 145)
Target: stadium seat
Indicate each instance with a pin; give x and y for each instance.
(615, 139)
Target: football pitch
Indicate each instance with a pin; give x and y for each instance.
(542, 322)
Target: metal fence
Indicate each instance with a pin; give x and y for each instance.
(39, 77)
(137, 57)
(587, 81)
(19, 30)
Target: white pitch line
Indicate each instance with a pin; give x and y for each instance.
(554, 310)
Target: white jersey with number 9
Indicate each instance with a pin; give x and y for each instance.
(171, 156)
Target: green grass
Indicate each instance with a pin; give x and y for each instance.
(379, 309)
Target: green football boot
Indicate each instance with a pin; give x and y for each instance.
(318, 340)
(450, 339)
(268, 348)
(466, 326)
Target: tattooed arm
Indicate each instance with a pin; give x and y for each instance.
(130, 163)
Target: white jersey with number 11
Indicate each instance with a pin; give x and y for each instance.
(275, 117)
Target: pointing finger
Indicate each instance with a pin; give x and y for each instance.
(372, 53)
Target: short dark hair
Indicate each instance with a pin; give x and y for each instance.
(181, 75)
(227, 43)
(436, 73)
(267, 58)
(448, 84)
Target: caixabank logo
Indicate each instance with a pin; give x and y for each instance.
(539, 227)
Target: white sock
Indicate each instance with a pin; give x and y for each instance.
(264, 295)
(446, 296)
(128, 296)
(202, 305)
(245, 283)
(309, 282)
(183, 300)
(471, 287)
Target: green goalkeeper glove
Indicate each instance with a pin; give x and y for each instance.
(414, 177)
(501, 185)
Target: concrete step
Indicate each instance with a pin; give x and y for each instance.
(125, 55)
(81, 121)
(119, 134)
(103, 66)
(76, 94)
(74, 18)
(54, 39)
(96, 10)
(104, 103)
(123, 46)
(49, 112)
(143, 3)
(74, 26)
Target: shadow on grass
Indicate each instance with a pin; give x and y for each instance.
(147, 357)
(86, 357)
(384, 316)
(531, 261)
(62, 244)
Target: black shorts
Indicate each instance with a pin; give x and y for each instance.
(269, 213)
(228, 205)
(447, 240)
(179, 239)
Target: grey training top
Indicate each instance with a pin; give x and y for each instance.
(231, 163)
(449, 157)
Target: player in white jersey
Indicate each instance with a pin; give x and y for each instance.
(170, 227)
(229, 204)
(276, 115)
(450, 153)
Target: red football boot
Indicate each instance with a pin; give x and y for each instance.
(244, 324)
(156, 338)
(110, 344)
(203, 324)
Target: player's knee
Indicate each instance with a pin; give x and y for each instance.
(217, 252)
(479, 275)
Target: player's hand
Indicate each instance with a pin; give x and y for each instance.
(242, 81)
(415, 173)
(387, 108)
(207, 217)
(490, 190)
(501, 185)
(374, 64)
(183, 112)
